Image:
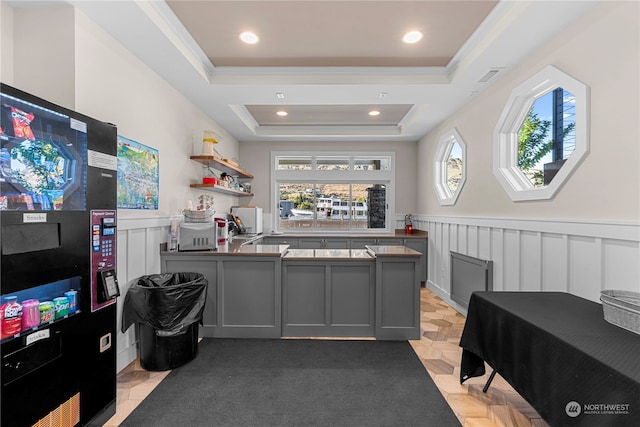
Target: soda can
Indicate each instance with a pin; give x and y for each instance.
(10, 317)
(61, 307)
(47, 312)
(30, 314)
(72, 296)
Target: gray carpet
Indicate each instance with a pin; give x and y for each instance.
(244, 382)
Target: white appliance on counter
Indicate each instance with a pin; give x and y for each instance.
(251, 217)
(197, 236)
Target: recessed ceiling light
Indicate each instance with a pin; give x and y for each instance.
(282, 113)
(279, 95)
(383, 95)
(412, 37)
(374, 113)
(249, 37)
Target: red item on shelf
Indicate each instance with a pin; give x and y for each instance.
(10, 317)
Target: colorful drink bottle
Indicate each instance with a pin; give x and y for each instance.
(10, 317)
(47, 312)
(72, 296)
(30, 314)
(61, 307)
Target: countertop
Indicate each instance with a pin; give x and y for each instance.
(236, 248)
(243, 245)
(399, 233)
(415, 234)
(393, 251)
(351, 254)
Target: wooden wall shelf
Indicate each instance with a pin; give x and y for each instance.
(219, 164)
(221, 189)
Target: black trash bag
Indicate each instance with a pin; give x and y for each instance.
(167, 302)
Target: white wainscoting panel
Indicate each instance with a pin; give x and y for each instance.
(617, 257)
(579, 257)
(138, 255)
(582, 258)
(510, 266)
(585, 266)
(555, 274)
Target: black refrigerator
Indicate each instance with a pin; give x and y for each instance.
(58, 282)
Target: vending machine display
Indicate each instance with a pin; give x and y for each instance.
(58, 281)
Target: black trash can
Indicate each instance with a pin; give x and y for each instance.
(167, 309)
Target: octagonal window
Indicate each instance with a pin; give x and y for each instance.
(547, 136)
(449, 167)
(542, 135)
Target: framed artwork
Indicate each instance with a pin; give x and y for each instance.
(138, 175)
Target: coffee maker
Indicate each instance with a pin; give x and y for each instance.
(222, 224)
(234, 224)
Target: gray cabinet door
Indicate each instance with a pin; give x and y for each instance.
(397, 298)
(250, 295)
(352, 297)
(311, 243)
(244, 298)
(281, 240)
(304, 297)
(323, 243)
(390, 241)
(419, 245)
(336, 243)
(361, 242)
(328, 298)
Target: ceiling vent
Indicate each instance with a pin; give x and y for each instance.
(492, 72)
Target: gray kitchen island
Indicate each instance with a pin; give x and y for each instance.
(272, 291)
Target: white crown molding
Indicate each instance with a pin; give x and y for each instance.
(166, 21)
(332, 130)
(331, 75)
(310, 131)
(168, 24)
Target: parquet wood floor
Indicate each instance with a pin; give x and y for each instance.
(440, 354)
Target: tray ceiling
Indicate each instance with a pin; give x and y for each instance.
(328, 63)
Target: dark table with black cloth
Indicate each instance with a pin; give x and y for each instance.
(559, 353)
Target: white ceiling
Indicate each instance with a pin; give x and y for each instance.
(332, 60)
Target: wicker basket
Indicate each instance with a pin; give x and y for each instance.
(198, 216)
(622, 308)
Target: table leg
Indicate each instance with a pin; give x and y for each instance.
(488, 383)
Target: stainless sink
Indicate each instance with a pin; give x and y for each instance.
(243, 238)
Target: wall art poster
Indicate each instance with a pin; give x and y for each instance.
(138, 175)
